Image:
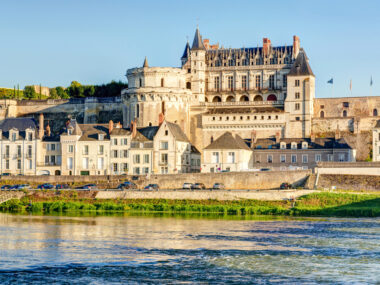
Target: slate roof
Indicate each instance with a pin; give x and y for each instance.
(21, 124)
(194, 150)
(177, 132)
(319, 143)
(197, 42)
(145, 64)
(140, 138)
(148, 132)
(228, 141)
(90, 131)
(120, 132)
(301, 65)
(186, 51)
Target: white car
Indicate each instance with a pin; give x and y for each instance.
(187, 185)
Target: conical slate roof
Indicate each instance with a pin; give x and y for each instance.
(186, 51)
(301, 65)
(198, 43)
(145, 62)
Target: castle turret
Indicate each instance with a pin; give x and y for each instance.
(198, 67)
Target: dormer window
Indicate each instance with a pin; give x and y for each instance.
(294, 145)
(283, 145)
(30, 136)
(304, 145)
(101, 137)
(69, 132)
(14, 136)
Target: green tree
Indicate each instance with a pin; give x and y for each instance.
(75, 90)
(62, 93)
(53, 93)
(30, 93)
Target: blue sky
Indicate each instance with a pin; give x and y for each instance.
(55, 42)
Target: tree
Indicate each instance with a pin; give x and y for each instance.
(53, 93)
(29, 92)
(62, 93)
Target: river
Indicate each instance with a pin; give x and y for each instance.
(187, 249)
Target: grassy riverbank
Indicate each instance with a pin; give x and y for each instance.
(315, 204)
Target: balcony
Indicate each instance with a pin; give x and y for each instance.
(163, 163)
(243, 103)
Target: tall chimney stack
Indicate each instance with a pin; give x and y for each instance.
(48, 131)
(312, 136)
(134, 128)
(278, 136)
(110, 126)
(296, 46)
(161, 118)
(41, 126)
(266, 46)
(253, 138)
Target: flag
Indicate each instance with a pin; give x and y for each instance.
(371, 81)
(331, 81)
(350, 84)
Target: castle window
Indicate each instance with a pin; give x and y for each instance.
(270, 158)
(344, 113)
(248, 117)
(216, 83)
(188, 85)
(234, 118)
(286, 60)
(271, 81)
(269, 117)
(140, 82)
(213, 118)
(272, 61)
(294, 145)
(322, 114)
(283, 158)
(297, 118)
(258, 81)
(375, 112)
(162, 82)
(284, 81)
(282, 145)
(258, 61)
(137, 110)
(322, 106)
(297, 106)
(262, 117)
(255, 117)
(211, 139)
(276, 117)
(227, 118)
(166, 132)
(297, 95)
(244, 82)
(244, 62)
(188, 70)
(231, 62)
(304, 145)
(346, 104)
(230, 80)
(297, 83)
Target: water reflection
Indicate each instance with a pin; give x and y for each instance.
(165, 249)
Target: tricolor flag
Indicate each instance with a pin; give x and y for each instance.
(331, 81)
(371, 81)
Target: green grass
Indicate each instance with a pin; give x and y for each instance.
(316, 204)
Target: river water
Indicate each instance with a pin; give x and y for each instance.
(187, 249)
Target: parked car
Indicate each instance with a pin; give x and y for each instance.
(6, 187)
(187, 185)
(198, 186)
(265, 169)
(218, 186)
(62, 186)
(127, 185)
(152, 187)
(6, 174)
(20, 187)
(87, 187)
(45, 186)
(14, 187)
(285, 185)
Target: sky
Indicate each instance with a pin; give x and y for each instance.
(55, 42)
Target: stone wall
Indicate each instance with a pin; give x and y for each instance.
(349, 182)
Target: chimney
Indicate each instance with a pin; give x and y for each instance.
(110, 126)
(119, 125)
(41, 126)
(312, 136)
(266, 46)
(278, 137)
(48, 132)
(133, 128)
(296, 46)
(337, 133)
(253, 138)
(161, 118)
(206, 43)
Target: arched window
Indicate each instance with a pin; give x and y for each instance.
(244, 98)
(258, 98)
(216, 99)
(162, 82)
(375, 112)
(322, 114)
(344, 113)
(211, 139)
(206, 100)
(230, 99)
(188, 85)
(272, 97)
(140, 81)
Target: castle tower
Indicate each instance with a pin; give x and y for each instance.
(198, 68)
(300, 97)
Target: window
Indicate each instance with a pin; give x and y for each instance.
(322, 114)
(304, 145)
(294, 145)
(70, 148)
(258, 61)
(85, 162)
(283, 145)
(341, 157)
(304, 158)
(136, 158)
(30, 164)
(297, 83)
(125, 167)
(164, 145)
(29, 151)
(46, 160)
(101, 137)
(69, 132)
(115, 154)
(188, 85)
(258, 81)
(140, 82)
(230, 80)
(19, 164)
(7, 164)
(52, 147)
(270, 158)
(297, 95)
(101, 150)
(19, 151)
(145, 170)
(136, 170)
(330, 157)
(284, 81)
(7, 151)
(164, 158)
(244, 82)
(69, 163)
(375, 112)
(125, 153)
(30, 136)
(163, 82)
(14, 137)
(271, 81)
(114, 167)
(231, 157)
(85, 149)
(114, 141)
(215, 157)
(146, 158)
(283, 158)
(344, 113)
(294, 158)
(216, 83)
(318, 158)
(100, 163)
(166, 132)
(297, 118)
(297, 106)
(346, 104)
(124, 141)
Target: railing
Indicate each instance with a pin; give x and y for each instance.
(163, 163)
(244, 103)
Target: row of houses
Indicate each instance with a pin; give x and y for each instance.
(110, 149)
